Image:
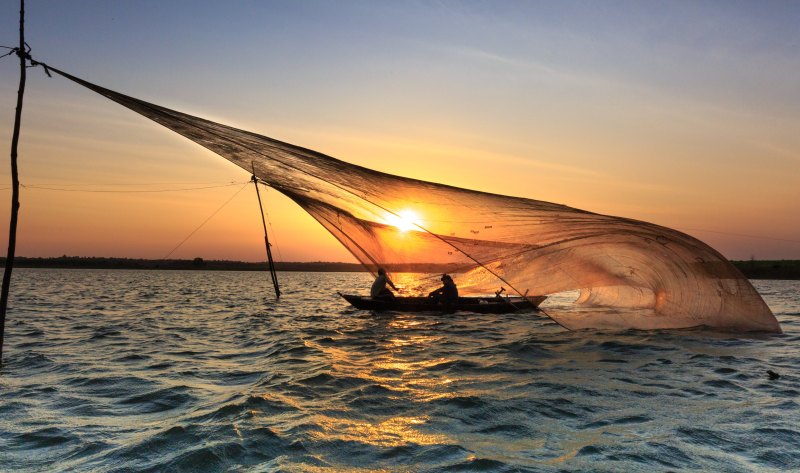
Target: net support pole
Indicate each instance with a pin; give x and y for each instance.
(12, 227)
(270, 262)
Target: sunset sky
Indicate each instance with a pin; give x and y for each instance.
(684, 114)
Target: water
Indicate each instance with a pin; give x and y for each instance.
(200, 371)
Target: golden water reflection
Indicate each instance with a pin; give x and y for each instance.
(392, 432)
(399, 374)
(400, 364)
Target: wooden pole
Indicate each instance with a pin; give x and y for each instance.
(12, 228)
(266, 239)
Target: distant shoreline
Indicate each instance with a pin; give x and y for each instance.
(752, 269)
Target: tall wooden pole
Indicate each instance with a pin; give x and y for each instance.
(12, 228)
(266, 239)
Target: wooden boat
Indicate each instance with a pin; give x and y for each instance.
(481, 305)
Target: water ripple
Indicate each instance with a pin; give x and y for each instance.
(197, 371)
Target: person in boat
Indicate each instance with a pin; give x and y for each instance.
(447, 294)
(379, 289)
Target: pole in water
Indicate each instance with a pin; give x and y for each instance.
(266, 238)
(12, 228)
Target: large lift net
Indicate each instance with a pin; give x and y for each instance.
(652, 276)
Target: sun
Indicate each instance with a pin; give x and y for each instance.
(404, 221)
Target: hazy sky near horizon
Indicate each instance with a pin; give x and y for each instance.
(684, 114)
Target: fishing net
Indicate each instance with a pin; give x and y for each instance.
(652, 276)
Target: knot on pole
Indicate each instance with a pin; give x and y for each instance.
(25, 54)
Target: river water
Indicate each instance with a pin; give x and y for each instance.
(203, 371)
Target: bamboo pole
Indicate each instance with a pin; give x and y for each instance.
(266, 239)
(12, 228)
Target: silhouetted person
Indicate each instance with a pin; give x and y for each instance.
(379, 289)
(447, 294)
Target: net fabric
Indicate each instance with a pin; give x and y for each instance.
(654, 276)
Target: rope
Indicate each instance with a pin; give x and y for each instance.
(205, 221)
(143, 184)
(133, 191)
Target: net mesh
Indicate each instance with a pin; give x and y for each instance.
(654, 277)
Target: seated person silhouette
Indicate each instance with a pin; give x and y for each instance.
(447, 294)
(379, 289)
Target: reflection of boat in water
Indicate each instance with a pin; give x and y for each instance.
(481, 305)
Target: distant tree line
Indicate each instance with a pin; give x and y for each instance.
(769, 269)
(95, 262)
(753, 269)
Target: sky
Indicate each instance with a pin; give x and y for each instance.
(684, 114)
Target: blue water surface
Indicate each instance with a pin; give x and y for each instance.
(203, 371)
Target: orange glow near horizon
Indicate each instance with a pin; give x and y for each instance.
(695, 136)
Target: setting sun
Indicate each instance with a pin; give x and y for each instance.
(405, 220)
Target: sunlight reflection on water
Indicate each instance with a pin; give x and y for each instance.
(131, 371)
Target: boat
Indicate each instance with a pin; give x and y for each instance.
(480, 305)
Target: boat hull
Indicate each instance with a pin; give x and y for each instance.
(480, 305)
